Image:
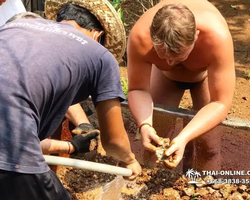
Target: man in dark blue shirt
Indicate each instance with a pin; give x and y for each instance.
(48, 66)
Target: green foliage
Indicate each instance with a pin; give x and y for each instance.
(124, 82)
(116, 5)
(247, 73)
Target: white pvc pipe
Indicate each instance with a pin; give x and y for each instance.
(87, 165)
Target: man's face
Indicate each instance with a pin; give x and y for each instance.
(173, 59)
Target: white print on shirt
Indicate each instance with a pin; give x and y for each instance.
(49, 27)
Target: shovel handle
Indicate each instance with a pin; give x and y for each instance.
(87, 165)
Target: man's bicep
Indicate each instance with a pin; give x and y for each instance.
(138, 68)
(221, 74)
(139, 72)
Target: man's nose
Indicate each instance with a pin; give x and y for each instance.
(170, 62)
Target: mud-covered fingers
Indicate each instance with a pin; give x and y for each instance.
(93, 145)
(130, 178)
(93, 137)
(150, 147)
(136, 170)
(164, 166)
(92, 134)
(154, 140)
(83, 128)
(172, 159)
(149, 138)
(154, 137)
(169, 164)
(146, 142)
(172, 150)
(100, 149)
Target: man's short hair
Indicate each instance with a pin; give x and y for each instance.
(173, 27)
(24, 15)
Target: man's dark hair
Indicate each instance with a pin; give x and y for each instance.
(83, 17)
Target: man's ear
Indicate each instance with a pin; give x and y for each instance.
(197, 34)
(98, 35)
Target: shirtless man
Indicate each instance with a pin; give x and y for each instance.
(174, 46)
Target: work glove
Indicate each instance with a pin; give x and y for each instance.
(85, 138)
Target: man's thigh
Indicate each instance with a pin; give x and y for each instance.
(45, 186)
(200, 94)
(163, 90)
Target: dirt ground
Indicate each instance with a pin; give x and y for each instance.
(159, 184)
(238, 18)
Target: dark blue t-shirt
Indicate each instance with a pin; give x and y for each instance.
(46, 67)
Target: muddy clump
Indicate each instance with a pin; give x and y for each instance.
(162, 159)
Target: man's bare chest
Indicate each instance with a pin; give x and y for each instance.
(197, 61)
(194, 69)
(192, 66)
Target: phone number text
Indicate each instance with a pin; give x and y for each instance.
(228, 181)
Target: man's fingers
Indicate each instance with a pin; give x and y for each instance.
(163, 165)
(177, 159)
(76, 131)
(83, 128)
(152, 137)
(92, 135)
(166, 166)
(130, 178)
(170, 150)
(156, 139)
(170, 164)
(149, 146)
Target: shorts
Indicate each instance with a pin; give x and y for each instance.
(185, 85)
(18, 186)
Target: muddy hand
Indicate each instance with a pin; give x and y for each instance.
(86, 140)
(169, 163)
(83, 128)
(173, 154)
(149, 136)
(135, 167)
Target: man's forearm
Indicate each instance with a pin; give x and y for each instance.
(141, 106)
(76, 115)
(205, 120)
(119, 148)
(50, 146)
(114, 137)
